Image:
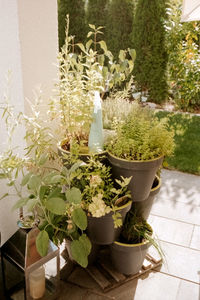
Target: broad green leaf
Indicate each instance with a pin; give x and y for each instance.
(132, 53)
(42, 191)
(73, 195)
(89, 34)
(79, 218)
(42, 243)
(79, 253)
(86, 243)
(103, 45)
(48, 177)
(55, 193)
(92, 26)
(89, 43)
(56, 179)
(122, 55)
(20, 203)
(31, 204)
(56, 206)
(34, 182)
(82, 47)
(43, 159)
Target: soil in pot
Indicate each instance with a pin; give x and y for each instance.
(83, 153)
(142, 172)
(143, 208)
(101, 230)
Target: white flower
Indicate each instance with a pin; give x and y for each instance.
(98, 208)
(95, 180)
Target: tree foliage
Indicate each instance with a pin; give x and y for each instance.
(183, 46)
(96, 12)
(76, 12)
(119, 25)
(148, 38)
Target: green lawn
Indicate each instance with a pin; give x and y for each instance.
(186, 156)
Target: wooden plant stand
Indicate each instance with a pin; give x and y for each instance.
(104, 274)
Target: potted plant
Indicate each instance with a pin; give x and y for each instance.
(138, 148)
(40, 183)
(51, 203)
(129, 251)
(105, 201)
(83, 77)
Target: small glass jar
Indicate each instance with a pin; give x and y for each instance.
(37, 283)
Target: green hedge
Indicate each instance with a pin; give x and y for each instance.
(148, 38)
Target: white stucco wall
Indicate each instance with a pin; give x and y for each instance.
(28, 48)
(10, 59)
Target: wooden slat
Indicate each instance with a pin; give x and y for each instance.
(116, 275)
(98, 277)
(146, 264)
(153, 255)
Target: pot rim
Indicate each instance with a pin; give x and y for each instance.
(131, 245)
(59, 145)
(158, 185)
(135, 161)
(123, 206)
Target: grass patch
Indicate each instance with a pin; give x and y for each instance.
(186, 156)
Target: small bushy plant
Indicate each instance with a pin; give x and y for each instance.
(135, 229)
(99, 191)
(116, 107)
(141, 136)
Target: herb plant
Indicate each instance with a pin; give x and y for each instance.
(141, 136)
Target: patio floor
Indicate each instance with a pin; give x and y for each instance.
(175, 218)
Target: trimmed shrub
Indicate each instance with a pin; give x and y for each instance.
(148, 38)
(75, 10)
(119, 25)
(96, 12)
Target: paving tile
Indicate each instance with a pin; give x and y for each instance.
(171, 231)
(70, 291)
(177, 211)
(181, 187)
(195, 242)
(188, 290)
(154, 286)
(181, 262)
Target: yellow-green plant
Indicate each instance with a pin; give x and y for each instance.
(142, 136)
